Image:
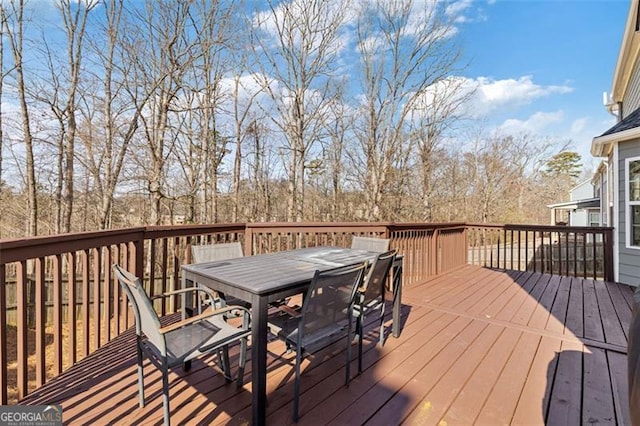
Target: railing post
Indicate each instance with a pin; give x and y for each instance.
(137, 256)
(248, 240)
(608, 255)
(436, 255)
(3, 337)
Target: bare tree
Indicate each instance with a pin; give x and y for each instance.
(298, 42)
(405, 47)
(12, 14)
(160, 51)
(431, 116)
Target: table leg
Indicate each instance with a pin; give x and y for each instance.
(397, 299)
(259, 360)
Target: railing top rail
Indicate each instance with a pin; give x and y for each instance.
(419, 225)
(13, 250)
(547, 228)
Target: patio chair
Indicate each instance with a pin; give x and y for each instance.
(177, 343)
(222, 251)
(324, 318)
(371, 297)
(378, 245)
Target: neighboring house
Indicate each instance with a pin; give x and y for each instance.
(582, 209)
(619, 178)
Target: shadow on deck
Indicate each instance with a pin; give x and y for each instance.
(477, 346)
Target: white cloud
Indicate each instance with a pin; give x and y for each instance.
(491, 95)
(579, 125)
(535, 124)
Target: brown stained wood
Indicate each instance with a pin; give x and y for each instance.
(393, 393)
(411, 395)
(557, 319)
(574, 321)
(627, 293)
(508, 296)
(621, 307)
(40, 322)
(542, 313)
(485, 298)
(456, 363)
(613, 329)
(466, 296)
(592, 322)
(3, 338)
(435, 404)
(468, 404)
(525, 284)
(515, 384)
(597, 406)
(565, 404)
(533, 403)
(619, 386)
(374, 379)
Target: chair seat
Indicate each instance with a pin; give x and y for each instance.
(199, 338)
(286, 327)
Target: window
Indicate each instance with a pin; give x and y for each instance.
(633, 201)
(594, 219)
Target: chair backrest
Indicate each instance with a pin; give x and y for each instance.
(378, 245)
(147, 320)
(329, 299)
(211, 252)
(377, 275)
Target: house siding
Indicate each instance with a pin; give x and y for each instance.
(629, 259)
(631, 99)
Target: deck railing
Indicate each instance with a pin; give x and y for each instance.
(59, 301)
(558, 250)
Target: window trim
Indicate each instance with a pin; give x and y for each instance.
(628, 203)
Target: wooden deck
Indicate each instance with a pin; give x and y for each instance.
(477, 346)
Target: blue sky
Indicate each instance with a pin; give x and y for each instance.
(551, 60)
(539, 66)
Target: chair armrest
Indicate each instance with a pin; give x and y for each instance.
(200, 317)
(289, 310)
(209, 292)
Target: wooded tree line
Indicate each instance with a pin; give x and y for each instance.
(119, 113)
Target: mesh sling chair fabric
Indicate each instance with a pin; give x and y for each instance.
(222, 251)
(324, 318)
(377, 245)
(371, 297)
(180, 342)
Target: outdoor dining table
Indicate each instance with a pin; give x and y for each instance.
(267, 278)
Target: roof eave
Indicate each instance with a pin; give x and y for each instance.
(627, 55)
(600, 144)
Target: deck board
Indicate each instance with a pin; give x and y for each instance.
(478, 346)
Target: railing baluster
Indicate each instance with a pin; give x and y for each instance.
(22, 330)
(85, 303)
(4, 382)
(97, 263)
(40, 321)
(71, 306)
(108, 294)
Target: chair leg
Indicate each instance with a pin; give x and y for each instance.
(360, 329)
(140, 374)
(382, 324)
(348, 364)
(296, 385)
(165, 392)
(243, 361)
(226, 365)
